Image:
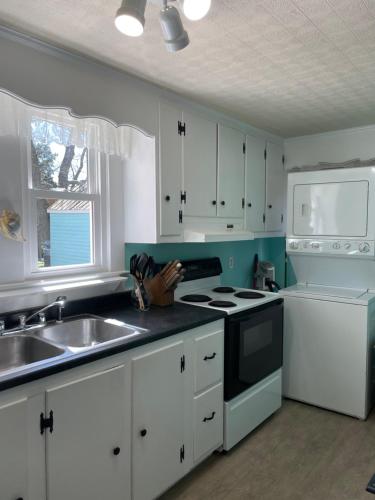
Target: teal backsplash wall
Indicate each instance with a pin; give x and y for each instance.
(243, 252)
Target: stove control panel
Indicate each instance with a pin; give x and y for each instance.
(343, 248)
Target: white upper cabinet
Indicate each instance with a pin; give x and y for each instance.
(170, 170)
(200, 177)
(231, 172)
(275, 187)
(255, 183)
(199, 166)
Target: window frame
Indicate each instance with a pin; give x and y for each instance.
(95, 194)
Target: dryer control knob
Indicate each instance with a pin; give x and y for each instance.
(347, 246)
(315, 245)
(336, 246)
(364, 247)
(293, 245)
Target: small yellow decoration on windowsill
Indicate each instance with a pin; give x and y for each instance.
(10, 225)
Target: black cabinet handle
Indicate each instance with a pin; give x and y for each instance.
(249, 205)
(19, 498)
(214, 202)
(116, 451)
(209, 357)
(143, 432)
(223, 203)
(206, 419)
(167, 198)
(269, 206)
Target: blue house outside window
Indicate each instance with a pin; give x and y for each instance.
(70, 235)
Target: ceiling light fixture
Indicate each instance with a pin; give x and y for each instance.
(196, 9)
(130, 17)
(175, 36)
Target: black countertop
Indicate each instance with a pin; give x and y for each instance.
(158, 323)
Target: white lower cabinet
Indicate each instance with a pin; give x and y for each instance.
(177, 407)
(21, 451)
(127, 426)
(158, 420)
(86, 454)
(208, 422)
(66, 441)
(208, 360)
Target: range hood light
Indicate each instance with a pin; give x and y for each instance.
(130, 17)
(196, 9)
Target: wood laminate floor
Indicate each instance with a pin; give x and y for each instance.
(302, 452)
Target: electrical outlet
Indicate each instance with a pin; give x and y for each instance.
(231, 262)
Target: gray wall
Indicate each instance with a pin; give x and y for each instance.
(51, 77)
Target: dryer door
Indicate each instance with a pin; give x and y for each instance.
(331, 209)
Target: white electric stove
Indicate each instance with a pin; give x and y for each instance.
(210, 293)
(253, 345)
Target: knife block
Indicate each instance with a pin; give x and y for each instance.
(158, 292)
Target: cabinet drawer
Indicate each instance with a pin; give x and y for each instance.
(208, 351)
(208, 422)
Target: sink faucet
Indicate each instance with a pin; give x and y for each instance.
(59, 302)
(23, 319)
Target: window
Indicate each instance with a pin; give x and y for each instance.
(64, 197)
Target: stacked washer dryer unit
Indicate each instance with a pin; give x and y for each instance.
(329, 315)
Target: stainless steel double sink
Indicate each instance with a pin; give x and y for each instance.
(38, 344)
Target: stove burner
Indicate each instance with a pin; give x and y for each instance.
(249, 295)
(196, 298)
(221, 303)
(224, 289)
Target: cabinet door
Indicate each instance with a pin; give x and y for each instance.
(170, 166)
(208, 360)
(86, 452)
(231, 172)
(158, 421)
(199, 166)
(275, 187)
(255, 183)
(22, 450)
(208, 422)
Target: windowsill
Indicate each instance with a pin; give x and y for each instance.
(17, 296)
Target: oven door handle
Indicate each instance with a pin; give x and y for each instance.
(206, 358)
(206, 419)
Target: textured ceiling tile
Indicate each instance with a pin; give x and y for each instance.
(290, 66)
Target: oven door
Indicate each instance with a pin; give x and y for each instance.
(253, 347)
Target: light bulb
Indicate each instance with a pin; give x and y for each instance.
(129, 25)
(196, 9)
(130, 18)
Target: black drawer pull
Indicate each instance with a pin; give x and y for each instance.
(206, 419)
(20, 498)
(206, 358)
(116, 451)
(143, 432)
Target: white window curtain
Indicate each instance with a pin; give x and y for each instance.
(92, 132)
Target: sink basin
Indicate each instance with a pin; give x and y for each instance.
(21, 350)
(86, 332)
